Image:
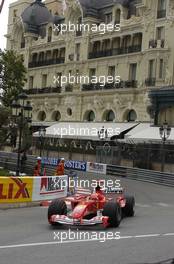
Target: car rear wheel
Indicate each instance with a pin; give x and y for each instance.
(113, 211)
(128, 210)
(57, 207)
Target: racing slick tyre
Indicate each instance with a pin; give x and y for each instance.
(57, 207)
(128, 210)
(113, 211)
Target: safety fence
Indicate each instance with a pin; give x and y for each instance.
(142, 175)
(8, 161)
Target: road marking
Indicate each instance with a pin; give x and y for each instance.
(85, 240)
(149, 235)
(142, 205)
(164, 204)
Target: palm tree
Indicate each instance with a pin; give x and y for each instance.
(1, 5)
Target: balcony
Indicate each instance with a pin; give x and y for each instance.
(114, 52)
(156, 43)
(44, 90)
(35, 64)
(161, 14)
(108, 86)
(150, 81)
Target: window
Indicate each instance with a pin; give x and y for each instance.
(92, 73)
(41, 116)
(14, 15)
(151, 72)
(44, 80)
(110, 116)
(58, 79)
(132, 116)
(79, 29)
(56, 116)
(108, 18)
(160, 33)
(132, 71)
(161, 69)
(111, 71)
(31, 79)
(117, 16)
(91, 116)
(49, 34)
(161, 12)
(77, 51)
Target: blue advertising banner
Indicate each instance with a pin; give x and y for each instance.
(75, 165)
(69, 164)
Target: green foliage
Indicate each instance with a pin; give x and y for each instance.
(4, 172)
(13, 74)
(4, 122)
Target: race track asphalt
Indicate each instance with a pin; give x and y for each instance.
(26, 237)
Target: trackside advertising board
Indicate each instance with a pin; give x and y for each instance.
(30, 189)
(69, 164)
(96, 167)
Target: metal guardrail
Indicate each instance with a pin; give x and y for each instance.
(142, 175)
(8, 161)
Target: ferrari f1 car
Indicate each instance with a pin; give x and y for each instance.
(106, 207)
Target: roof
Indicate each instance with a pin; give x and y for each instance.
(35, 16)
(92, 7)
(146, 133)
(85, 130)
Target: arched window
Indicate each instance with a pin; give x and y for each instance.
(117, 16)
(90, 116)
(41, 116)
(110, 116)
(131, 116)
(56, 116)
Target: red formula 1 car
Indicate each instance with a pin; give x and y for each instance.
(106, 207)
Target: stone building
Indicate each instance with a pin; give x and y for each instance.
(141, 53)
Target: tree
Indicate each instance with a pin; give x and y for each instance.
(13, 75)
(4, 125)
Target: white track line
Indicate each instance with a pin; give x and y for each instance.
(85, 240)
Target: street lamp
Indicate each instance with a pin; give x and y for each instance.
(42, 133)
(22, 112)
(165, 131)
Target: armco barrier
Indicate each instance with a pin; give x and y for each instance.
(142, 175)
(8, 160)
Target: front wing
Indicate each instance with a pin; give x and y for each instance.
(65, 220)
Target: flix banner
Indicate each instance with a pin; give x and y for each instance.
(30, 189)
(14, 189)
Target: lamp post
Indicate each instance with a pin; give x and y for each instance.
(22, 112)
(42, 133)
(165, 131)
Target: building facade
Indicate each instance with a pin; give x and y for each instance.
(141, 53)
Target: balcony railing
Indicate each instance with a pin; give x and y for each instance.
(114, 52)
(107, 86)
(150, 81)
(161, 13)
(35, 64)
(44, 90)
